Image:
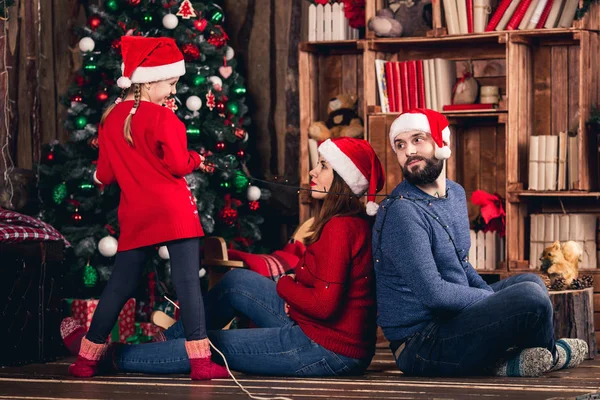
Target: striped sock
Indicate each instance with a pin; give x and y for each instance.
(569, 353)
(529, 362)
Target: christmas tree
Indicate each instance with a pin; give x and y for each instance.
(210, 101)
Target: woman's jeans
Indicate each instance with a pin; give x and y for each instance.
(277, 347)
(185, 262)
(518, 315)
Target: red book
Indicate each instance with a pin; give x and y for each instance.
(462, 107)
(498, 15)
(405, 86)
(400, 104)
(391, 85)
(517, 17)
(421, 84)
(413, 90)
(544, 15)
(469, 15)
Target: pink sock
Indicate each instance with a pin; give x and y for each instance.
(72, 333)
(202, 366)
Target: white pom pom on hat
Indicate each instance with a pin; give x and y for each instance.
(356, 163)
(428, 121)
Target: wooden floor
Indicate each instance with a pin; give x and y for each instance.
(383, 381)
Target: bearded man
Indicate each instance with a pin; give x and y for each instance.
(440, 316)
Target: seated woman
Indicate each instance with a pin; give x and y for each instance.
(319, 321)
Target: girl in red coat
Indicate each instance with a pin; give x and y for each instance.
(143, 148)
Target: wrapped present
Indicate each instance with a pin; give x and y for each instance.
(83, 311)
(144, 331)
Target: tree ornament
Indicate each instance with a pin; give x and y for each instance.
(107, 246)
(232, 107)
(163, 252)
(221, 108)
(217, 83)
(80, 122)
(199, 80)
(86, 187)
(239, 90)
(77, 98)
(87, 44)
(210, 100)
(112, 5)
(94, 22)
(171, 104)
(50, 155)
(147, 18)
(170, 21)
(209, 168)
(59, 193)
(193, 130)
(190, 52)
(239, 133)
(254, 205)
(218, 39)
(220, 146)
(200, 24)
(186, 10)
(102, 96)
(253, 193)
(134, 2)
(193, 103)
(217, 17)
(90, 275)
(93, 142)
(229, 53)
(224, 185)
(241, 153)
(228, 216)
(116, 44)
(241, 180)
(90, 65)
(225, 71)
(76, 218)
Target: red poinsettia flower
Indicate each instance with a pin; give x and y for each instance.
(355, 12)
(492, 210)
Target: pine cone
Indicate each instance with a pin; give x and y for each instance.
(588, 281)
(558, 284)
(577, 284)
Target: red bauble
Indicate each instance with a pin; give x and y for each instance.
(220, 107)
(116, 44)
(241, 153)
(134, 2)
(190, 52)
(239, 133)
(102, 96)
(50, 156)
(209, 168)
(253, 205)
(93, 142)
(77, 98)
(228, 215)
(218, 37)
(95, 22)
(200, 24)
(76, 217)
(220, 146)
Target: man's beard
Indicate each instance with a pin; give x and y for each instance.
(424, 175)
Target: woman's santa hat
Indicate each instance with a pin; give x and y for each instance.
(149, 59)
(428, 121)
(356, 163)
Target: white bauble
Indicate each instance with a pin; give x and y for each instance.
(107, 246)
(229, 53)
(87, 44)
(163, 252)
(216, 82)
(193, 103)
(253, 193)
(202, 273)
(170, 21)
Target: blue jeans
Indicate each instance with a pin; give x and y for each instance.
(518, 314)
(277, 347)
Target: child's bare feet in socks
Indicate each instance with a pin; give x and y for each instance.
(529, 362)
(72, 333)
(202, 366)
(569, 353)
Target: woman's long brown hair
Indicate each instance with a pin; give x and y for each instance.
(345, 204)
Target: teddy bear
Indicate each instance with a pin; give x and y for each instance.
(403, 18)
(342, 120)
(562, 261)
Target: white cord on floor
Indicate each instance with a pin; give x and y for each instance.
(231, 374)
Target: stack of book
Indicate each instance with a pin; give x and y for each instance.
(532, 14)
(553, 162)
(545, 229)
(486, 251)
(403, 85)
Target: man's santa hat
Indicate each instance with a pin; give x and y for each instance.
(428, 121)
(149, 59)
(356, 163)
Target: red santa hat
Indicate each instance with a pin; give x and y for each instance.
(428, 121)
(356, 163)
(149, 59)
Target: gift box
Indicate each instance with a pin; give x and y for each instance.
(83, 311)
(144, 331)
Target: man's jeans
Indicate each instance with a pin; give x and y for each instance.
(277, 347)
(518, 314)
